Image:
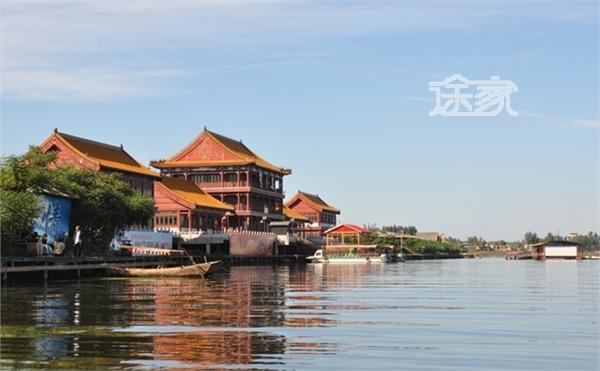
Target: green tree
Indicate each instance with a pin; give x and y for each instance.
(474, 240)
(28, 172)
(590, 242)
(550, 237)
(412, 230)
(531, 238)
(103, 205)
(18, 211)
(19, 203)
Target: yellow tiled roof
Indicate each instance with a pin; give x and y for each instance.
(291, 214)
(105, 155)
(244, 156)
(316, 201)
(190, 192)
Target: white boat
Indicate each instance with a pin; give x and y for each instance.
(320, 257)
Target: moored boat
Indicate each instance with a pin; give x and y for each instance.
(518, 255)
(201, 270)
(320, 257)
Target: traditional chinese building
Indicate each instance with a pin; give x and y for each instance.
(294, 215)
(320, 214)
(229, 171)
(181, 205)
(76, 151)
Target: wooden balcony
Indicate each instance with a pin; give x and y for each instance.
(235, 187)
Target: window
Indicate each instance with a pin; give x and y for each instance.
(206, 178)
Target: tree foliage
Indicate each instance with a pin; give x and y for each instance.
(103, 205)
(475, 241)
(590, 242)
(531, 238)
(17, 213)
(551, 237)
(412, 230)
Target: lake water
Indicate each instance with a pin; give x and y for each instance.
(451, 314)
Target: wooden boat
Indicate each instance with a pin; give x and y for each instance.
(202, 270)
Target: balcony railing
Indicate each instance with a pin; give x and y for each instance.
(187, 234)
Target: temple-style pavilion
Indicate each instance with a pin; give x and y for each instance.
(320, 214)
(229, 171)
(345, 234)
(182, 206)
(81, 152)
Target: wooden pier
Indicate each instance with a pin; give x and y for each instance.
(16, 269)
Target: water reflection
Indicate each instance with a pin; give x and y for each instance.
(353, 316)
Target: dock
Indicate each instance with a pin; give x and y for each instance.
(46, 268)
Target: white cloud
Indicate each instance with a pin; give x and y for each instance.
(584, 123)
(91, 84)
(56, 44)
(594, 124)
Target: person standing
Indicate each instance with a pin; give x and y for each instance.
(77, 241)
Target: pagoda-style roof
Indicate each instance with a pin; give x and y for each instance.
(291, 214)
(101, 154)
(189, 192)
(314, 201)
(210, 149)
(346, 229)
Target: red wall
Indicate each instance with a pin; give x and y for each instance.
(67, 157)
(302, 207)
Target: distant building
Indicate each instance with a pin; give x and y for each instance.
(557, 250)
(290, 230)
(181, 206)
(81, 152)
(321, 216)
(571, 236)
(229, 171)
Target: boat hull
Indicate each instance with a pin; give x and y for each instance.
(320, 257)
(201, 270)
(349, 260)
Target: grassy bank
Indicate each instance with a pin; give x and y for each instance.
(414, 246)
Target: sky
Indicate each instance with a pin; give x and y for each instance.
(336, 91)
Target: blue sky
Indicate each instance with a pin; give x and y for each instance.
(337, 91)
